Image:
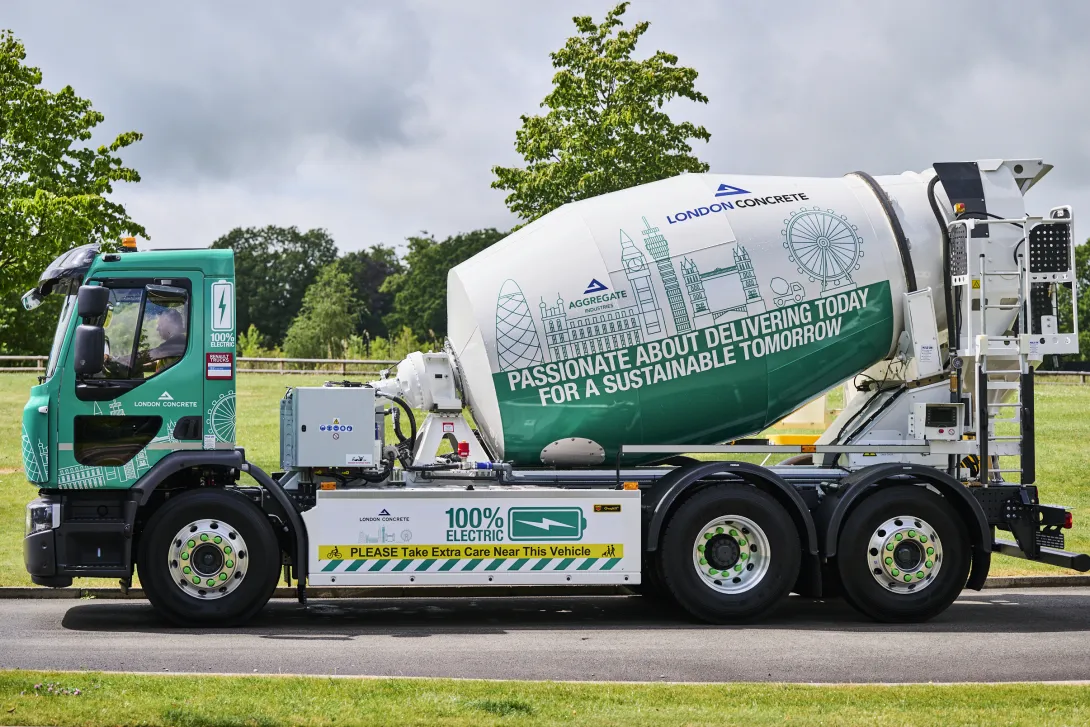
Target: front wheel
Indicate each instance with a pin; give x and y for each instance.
(903, 555)
(730, 553)
(209, 557)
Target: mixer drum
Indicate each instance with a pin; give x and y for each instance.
(693, 310)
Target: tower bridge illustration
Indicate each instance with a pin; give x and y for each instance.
(724, 292)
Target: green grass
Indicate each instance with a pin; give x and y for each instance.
(224, 701)
(1063, 459)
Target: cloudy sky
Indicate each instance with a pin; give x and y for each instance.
(379, 120)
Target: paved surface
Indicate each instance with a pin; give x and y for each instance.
(1002, 635)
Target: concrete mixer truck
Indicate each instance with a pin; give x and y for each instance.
(594, 416)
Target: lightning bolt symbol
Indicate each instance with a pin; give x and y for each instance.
(546, 523)
(223, 305)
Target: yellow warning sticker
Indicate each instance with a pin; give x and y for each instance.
(519, 550)
(976, 285)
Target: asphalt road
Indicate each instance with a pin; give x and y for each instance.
(1032, 634)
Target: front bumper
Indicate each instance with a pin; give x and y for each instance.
(40, 557)
(77, 535)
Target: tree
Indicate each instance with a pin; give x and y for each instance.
(274, 267)
(327, 319)
(53, 187)
(368, 270)
(1082, 282)
(605, 128)
(420, 292)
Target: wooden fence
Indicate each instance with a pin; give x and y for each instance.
(371, 367)
(246, 365)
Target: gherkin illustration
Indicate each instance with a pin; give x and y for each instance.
(516, 338)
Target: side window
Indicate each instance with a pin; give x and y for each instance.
(163, 334)
(146, 331)
(122, 318)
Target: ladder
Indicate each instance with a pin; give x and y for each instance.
(1003, 389)
(1003, 386)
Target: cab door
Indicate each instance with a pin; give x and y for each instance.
(148, 399)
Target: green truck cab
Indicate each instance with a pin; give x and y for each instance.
(137, 404)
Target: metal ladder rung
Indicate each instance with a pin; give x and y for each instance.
(1012, 403)
(1011, 470)
(1002, 306)
(1003, 272)
(1004, 438)
(1004, 385)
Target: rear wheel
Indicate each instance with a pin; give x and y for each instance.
(903, 555)
(209, 557)
(730, 553)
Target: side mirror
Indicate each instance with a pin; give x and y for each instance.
(92, 301)
(32, 299)
(89, 348)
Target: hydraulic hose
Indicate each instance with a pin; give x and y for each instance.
(947, 280)
(410, 441)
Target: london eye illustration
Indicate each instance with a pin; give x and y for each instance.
(824, 246)
(221, 418)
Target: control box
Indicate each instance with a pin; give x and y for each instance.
(331, 426)
(937, 421)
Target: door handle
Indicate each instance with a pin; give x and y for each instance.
(43, 409)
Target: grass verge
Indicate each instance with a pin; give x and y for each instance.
(123, 699)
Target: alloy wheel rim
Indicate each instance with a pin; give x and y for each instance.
(904, 554)
(731, 554)
(208, 559)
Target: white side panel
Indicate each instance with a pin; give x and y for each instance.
(448, 536)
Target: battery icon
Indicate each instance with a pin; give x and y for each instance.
(223, 305)
(545, 523)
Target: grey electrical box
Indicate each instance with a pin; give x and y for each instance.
(330, 426)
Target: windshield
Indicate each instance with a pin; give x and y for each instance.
(58, 336)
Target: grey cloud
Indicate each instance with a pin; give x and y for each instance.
(379, 120)
(235, 90)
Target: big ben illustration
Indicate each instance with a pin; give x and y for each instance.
(635, 267)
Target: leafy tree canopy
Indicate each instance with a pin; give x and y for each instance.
(53, 188)
(368, 270)
(420, 292)
(605, 128)
(274, 266)
(327, 319)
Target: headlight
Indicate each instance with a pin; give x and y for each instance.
(42, 515)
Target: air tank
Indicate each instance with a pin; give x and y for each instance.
(693, 310)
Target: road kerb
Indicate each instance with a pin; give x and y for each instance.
(36, 592)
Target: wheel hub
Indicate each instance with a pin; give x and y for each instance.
(731, 554)
(208, 559)
(722, 552)
(905, 554)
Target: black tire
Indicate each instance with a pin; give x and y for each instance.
(688, 587)
(259, 564)
(854, 561)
